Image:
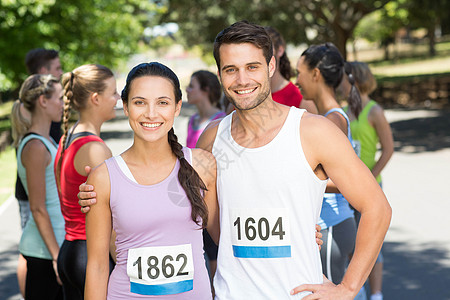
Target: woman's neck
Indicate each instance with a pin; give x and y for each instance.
(364, 99)
(40, 125)
(89, 123)
(277, 82)
(326, 100)
(149, 153)
(206, 110)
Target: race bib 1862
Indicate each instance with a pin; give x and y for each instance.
(161, 270)
(261, 233)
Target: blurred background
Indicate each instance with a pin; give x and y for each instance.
(405, 42)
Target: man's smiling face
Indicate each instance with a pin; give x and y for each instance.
(245, 75)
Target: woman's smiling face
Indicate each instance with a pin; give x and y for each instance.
(152, 107)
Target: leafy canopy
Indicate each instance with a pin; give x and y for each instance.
(84, 31)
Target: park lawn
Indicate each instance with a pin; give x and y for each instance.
(7, 157)
(8, 168)
(430, 66)
(5, 112)
(5, 108)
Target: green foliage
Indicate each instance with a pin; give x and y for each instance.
(5, 112)
(328, 20)
(381, 25)
(84, 31)
(422, 13)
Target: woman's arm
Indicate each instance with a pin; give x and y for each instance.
(205, 165)
(90, 154)
(378, 120)
(35, 158)
(98, 236)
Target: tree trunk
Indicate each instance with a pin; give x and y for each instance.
(355, 52)
(340, 40)
(432, 39)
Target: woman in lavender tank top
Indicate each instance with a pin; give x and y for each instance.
(157, 196)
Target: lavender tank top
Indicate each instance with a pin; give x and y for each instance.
(159, 248)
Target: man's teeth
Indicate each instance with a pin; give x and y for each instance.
(245, 91)
(151, 125)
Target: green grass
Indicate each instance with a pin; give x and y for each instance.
(403, 78)
(411, 53)
(5, 108)
(8, 168)
(5, 124)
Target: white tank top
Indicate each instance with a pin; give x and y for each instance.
(270, 201)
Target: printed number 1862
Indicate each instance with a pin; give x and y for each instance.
(167, 268)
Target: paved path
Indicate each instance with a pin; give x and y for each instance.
(417, 247)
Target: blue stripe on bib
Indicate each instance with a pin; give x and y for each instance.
(261, 252)
(162, 289)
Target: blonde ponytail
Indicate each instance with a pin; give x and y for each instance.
(32, 88)
(19, 123)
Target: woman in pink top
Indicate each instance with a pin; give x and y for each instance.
(204, 92)
(158, 195)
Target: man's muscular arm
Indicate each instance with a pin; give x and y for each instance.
(326, 146)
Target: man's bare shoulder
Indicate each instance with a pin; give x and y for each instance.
(316, 127)
(206, 140)
(312, 121)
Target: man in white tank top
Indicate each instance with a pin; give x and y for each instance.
(273, 164)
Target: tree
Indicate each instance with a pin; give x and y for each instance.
(428, 14)
(382, 25)
(327, 20)
(84, 31)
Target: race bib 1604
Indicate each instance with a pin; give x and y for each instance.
(261, 233)
(161, 270)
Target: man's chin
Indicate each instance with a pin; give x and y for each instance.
(247, 106)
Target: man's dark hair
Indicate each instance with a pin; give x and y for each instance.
(38, 58)
(244, 32)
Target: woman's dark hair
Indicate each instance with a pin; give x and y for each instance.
(244, 32)
(354, 98)
(284, 65)
(327, 58)
(364, 79)
(189, 179)
(209, 83)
